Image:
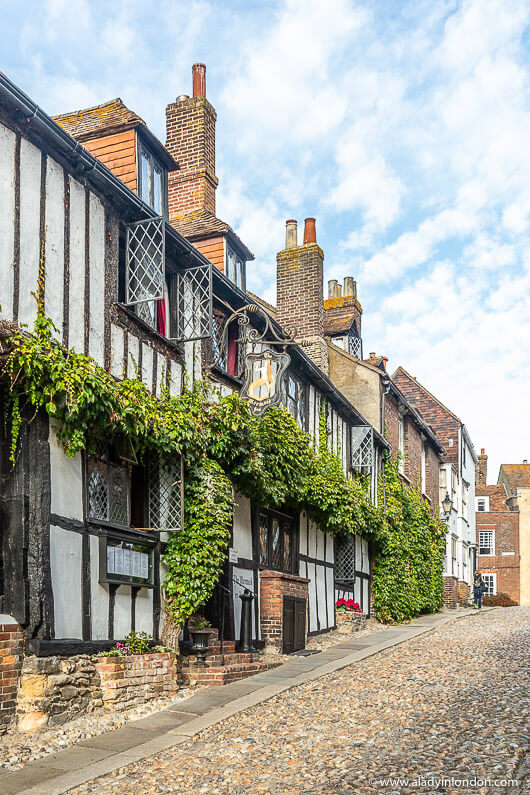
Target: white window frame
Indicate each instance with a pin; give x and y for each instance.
(147, 192)
(485, 501)
(481, 545)
(235, 267)
(492, 577)
(423, 469)
(401, 445)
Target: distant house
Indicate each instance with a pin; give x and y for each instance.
(497, 521)
(516, 480)
(457, 480)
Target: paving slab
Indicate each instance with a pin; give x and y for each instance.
(30, 776)
(119, 739)
(161, 721)
(75, 757)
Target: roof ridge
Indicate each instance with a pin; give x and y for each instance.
(436, 400)
(93, 107)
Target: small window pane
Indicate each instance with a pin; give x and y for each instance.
(119, 503)
(287, 549)
(157, 190)
(144, 178)
(97, 489)
(276, 562)
(263, 538)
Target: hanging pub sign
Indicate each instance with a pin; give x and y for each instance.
(262, 387)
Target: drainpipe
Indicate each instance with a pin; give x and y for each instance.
(386, 453)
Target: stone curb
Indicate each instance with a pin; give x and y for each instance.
(184, 732)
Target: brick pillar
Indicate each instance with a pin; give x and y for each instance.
(451, 592)
(11, 651)
(463, 594)
(274, 585)
(190, 139)
(300, 297)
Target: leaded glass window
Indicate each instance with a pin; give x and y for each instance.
(296, 399)
(276, 542)
(108, 489)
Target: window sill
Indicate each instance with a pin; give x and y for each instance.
(405, 478)
(149, 330)
(233, 380)
(107, 528)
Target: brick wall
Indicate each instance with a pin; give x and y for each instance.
(505, 525)
(432, 476)
(450, 592)
(300, 297)
(341, 312)
(126, 681)
(463, 594)
(190, 139)
(412, 440)
(274, 585)
(11, 649)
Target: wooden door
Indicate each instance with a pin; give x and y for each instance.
(294, 616)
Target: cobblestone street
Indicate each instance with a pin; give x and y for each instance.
(450, 704)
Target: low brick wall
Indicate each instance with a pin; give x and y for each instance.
(274, 585)
(463, 594)
(451, 592)
(11, 649)
(126, 681)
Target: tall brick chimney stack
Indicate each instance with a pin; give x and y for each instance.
(190, 138)
(300, 291)
(481, 476)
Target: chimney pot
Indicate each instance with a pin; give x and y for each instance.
(310, 232)
(372, 355)
(525, 461)
(291, 233)
(199, 79)
(350, 287)
(482, 451)
(334, 289)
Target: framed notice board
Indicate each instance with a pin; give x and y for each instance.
(126, 560)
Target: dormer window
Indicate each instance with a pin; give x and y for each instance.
(152, 180)
(235, 267)
(355, 347)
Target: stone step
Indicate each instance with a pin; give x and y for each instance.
(231, 658)
(224, 674)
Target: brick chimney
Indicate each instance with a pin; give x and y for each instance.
(300, 291)
(190, 138)
(481, 475)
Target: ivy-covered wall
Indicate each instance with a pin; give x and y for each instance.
(270, 460)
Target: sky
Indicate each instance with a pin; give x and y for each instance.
(402, 127)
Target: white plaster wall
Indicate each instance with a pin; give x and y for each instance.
(116, 351)
(66, 479)
(366, 606)
(76, 292)
(161, 371)
(7, 219)
(312, 546)
(133, 355)
(313, 626)
(30, 178)
(330, 549)
(175, 379)
(330, 591)
(122, 612)
(143, 621)
(357, 590)
(242, 540)
(147, 366)
(97, 278)
(65, 563)
(99, 596)
(54, 245)
(312, 410)
(303, 534)
(302, 570)
(321, 592)
(320, 544)
(365, 557)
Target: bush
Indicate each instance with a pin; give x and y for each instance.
(499, 600)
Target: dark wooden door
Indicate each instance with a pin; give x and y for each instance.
(294, 613)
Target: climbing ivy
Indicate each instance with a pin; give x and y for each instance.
(269, 459)
(407, 574)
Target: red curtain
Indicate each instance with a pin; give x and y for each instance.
(161, 316)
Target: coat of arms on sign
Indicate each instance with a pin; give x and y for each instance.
(263, 380)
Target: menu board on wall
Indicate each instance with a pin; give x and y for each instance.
(127, 561)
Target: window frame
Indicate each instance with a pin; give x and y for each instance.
(300, 412)
(282, 519)
(482, 545)
(154, 162)
(240, 269)
(353, 335)
(485, 502)
(492, 576)
(423, 468)
(401, 445)
(107, 460)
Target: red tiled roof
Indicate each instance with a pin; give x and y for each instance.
(201, 224)
(445, 424)
(108, 119)
(497, 495)
(517, 475)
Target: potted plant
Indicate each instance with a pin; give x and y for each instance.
(350, 614)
